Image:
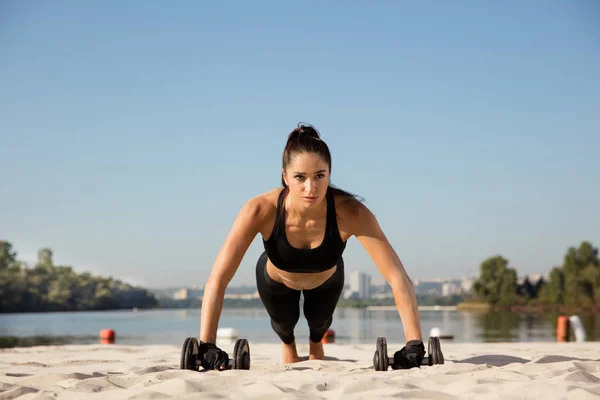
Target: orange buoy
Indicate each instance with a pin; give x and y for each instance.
(562, 329)
(329, 336)
(107, 336)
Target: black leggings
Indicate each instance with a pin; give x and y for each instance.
(283, 304)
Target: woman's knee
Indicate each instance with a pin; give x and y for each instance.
(286, 335)
(320, 304)
(316, 335)
(319, 319)
(284, 322)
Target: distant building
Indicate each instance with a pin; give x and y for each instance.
(360, 285)
(181, 294)
(186, 293)
(449, 289)
(466, 284)
(242, 296)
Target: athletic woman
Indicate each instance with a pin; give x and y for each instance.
(305, 225)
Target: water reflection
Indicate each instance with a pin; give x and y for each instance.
(591, 322)
(497, 326)
(352, 325)
(526, 327)
(364, 326)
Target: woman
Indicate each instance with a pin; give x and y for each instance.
(305, 226)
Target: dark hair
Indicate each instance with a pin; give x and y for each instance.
(306, 139)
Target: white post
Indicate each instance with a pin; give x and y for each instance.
(578, 328)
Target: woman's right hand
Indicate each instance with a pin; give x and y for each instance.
(410, 356)
(212, 357)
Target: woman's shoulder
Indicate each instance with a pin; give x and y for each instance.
(350, 209)
(354, 217)
(348, 204)
(264, 204)
(267, 199)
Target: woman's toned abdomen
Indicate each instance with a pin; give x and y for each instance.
(299, 280)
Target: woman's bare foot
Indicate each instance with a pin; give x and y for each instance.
(289, 353)
(315, 350)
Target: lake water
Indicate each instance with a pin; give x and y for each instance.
(350, 325)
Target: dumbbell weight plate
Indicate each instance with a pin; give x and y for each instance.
(432, 359)
(380, 358)
(192, 354)
(438, 348)
(241, 354)
(434, 348)
(182, 364)
(189, 354)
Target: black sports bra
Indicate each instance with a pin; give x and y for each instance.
(291, 259)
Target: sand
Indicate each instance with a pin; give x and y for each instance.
(471, 371)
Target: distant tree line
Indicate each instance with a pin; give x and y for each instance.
(45, 287)
(49, 287)
(573, 285)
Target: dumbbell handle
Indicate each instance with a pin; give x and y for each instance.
(391, 361)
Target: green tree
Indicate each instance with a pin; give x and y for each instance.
(508, 288)
(7, 256)
(47, 287)
(497, 283)
(12, 282)
(554, 291)
(528, 290)
(580, 269)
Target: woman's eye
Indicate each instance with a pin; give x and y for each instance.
(319, 176)
(298, 177)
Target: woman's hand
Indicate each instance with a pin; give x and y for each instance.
(212, 357)
(410, 356)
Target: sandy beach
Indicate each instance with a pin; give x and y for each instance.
(471, 371)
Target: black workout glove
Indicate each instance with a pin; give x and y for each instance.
(212, 357)
(409, 356)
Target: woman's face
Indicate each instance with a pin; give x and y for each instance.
(307, 177)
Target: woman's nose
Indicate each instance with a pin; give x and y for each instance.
(310, 185)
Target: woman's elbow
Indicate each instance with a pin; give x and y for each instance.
(216, 283)
(401, 281)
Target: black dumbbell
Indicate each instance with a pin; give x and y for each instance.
(381, 361)
(189, 355)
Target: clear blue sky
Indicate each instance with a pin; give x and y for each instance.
(131, 133)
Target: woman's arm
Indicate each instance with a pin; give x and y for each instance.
(245, 228)
(370, 235)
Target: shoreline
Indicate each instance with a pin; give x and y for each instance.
(421, 308)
